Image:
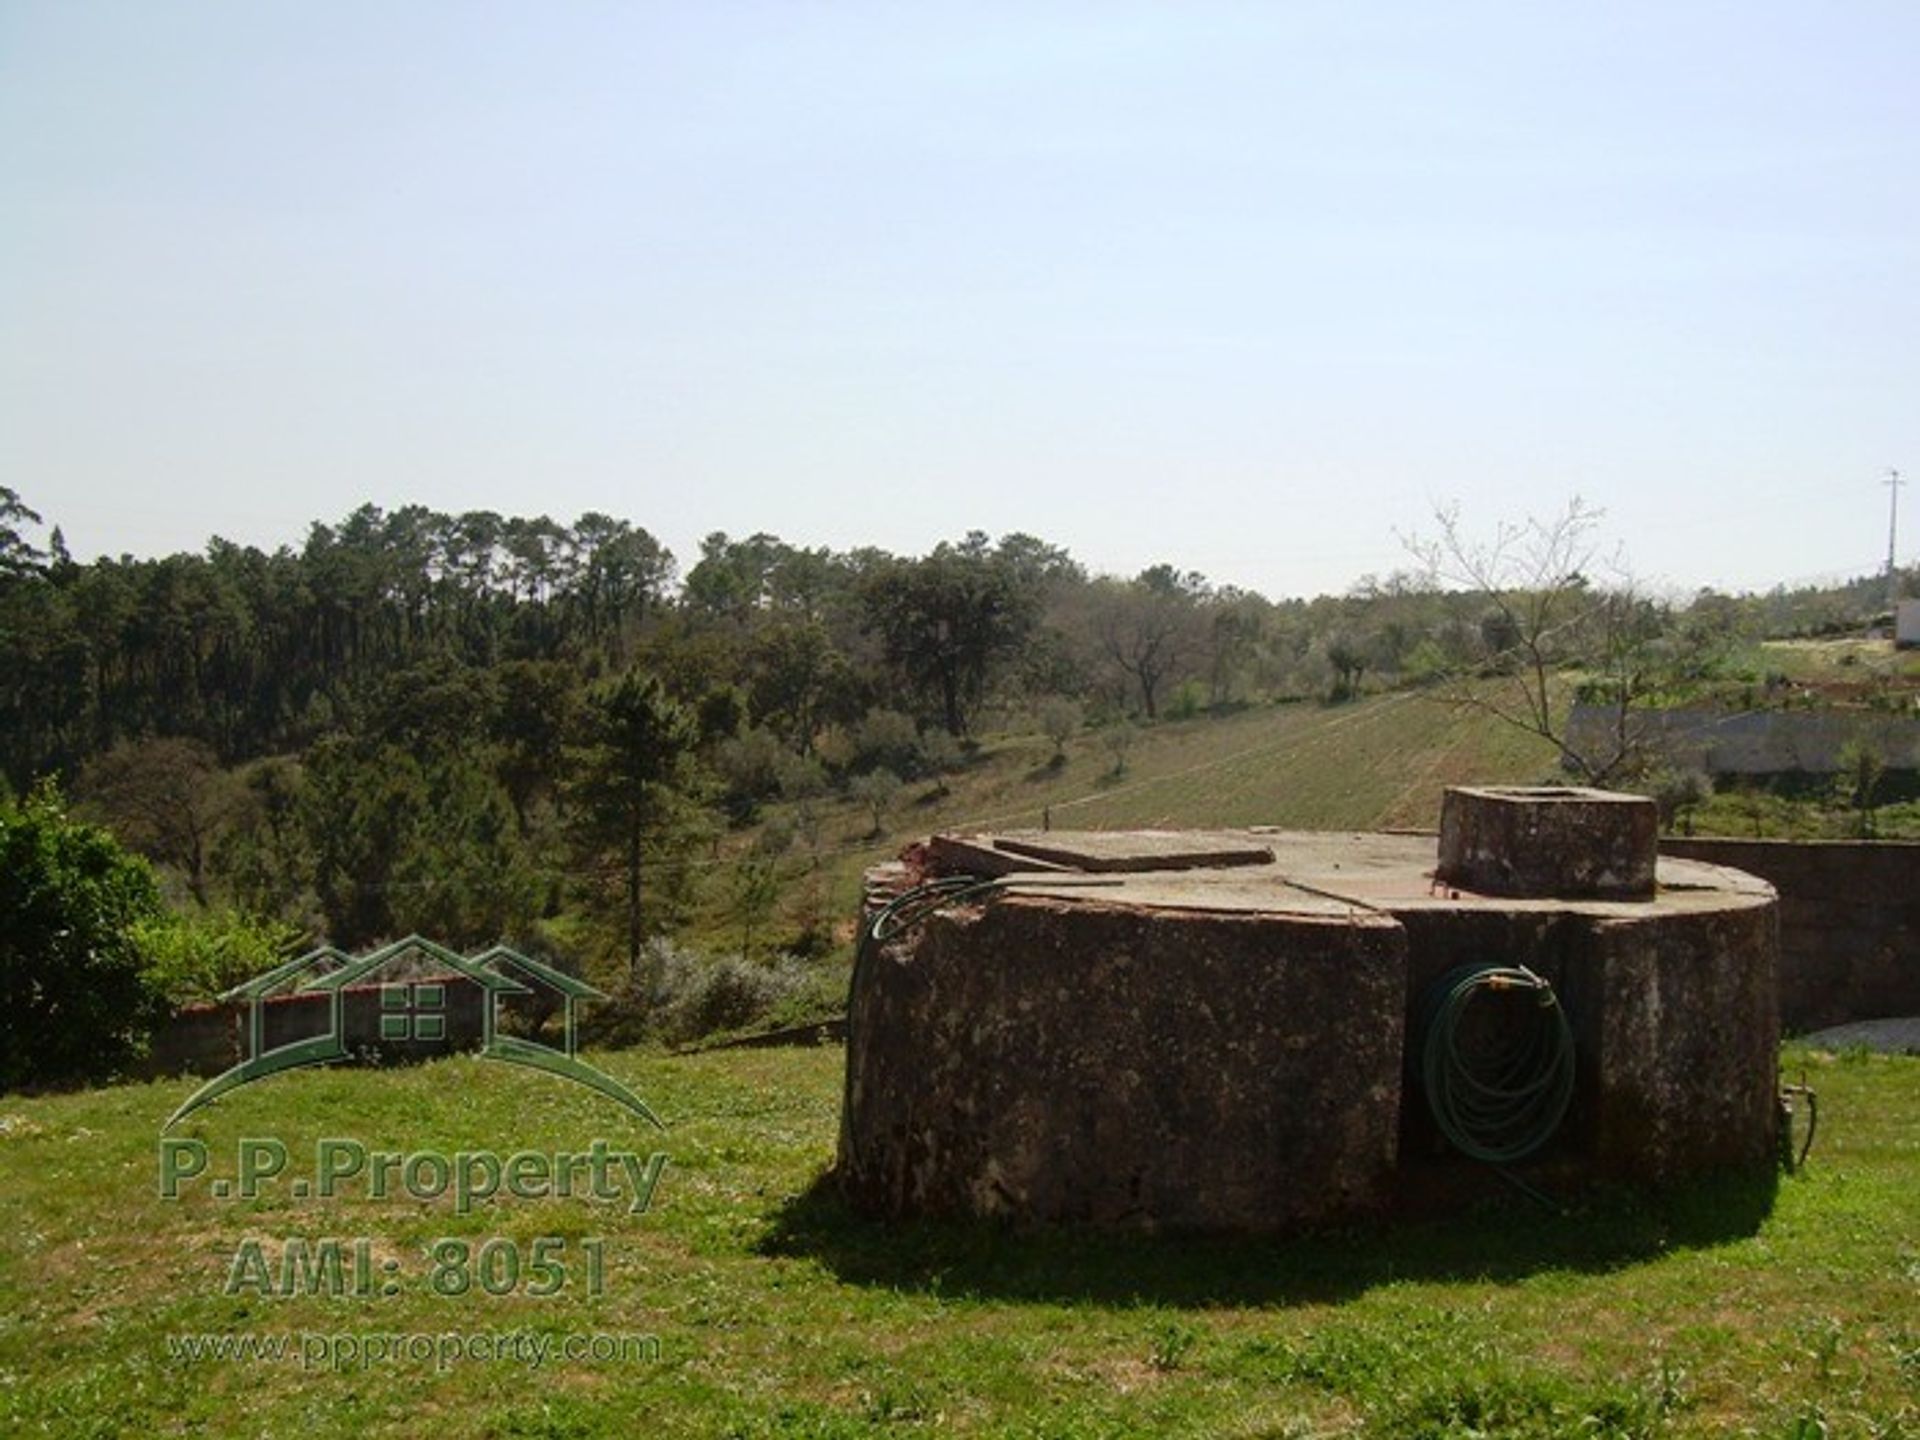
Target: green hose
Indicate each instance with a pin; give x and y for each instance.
(1497, 1090)
(911, 907)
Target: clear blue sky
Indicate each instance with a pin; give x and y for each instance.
(1238, 287)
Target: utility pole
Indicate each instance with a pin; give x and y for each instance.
(1893, 483)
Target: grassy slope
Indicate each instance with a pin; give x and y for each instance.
(1380, 762)
(1816, 662)
(1728, 1309)
(1377, 762)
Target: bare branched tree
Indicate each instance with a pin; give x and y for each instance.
(1545, 614)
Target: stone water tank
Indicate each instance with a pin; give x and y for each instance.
(1224, 1029)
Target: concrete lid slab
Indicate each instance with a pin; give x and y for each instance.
(1332, 875)
(1123, 851)
(1249, 891)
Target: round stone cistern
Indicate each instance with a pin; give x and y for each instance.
(1234, 1029)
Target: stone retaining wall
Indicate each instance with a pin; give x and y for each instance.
(1849, 922)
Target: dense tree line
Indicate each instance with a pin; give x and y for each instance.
(468, 723)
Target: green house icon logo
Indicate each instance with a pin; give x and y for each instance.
(412, 1009)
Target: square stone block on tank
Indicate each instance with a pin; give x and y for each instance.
(1548, 842)
(1062, 1059)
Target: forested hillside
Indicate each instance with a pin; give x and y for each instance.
(483, 726)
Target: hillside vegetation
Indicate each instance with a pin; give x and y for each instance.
(1375, 763)
(493, 728)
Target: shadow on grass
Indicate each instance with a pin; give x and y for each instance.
(1497, 1241)
(1048, 769)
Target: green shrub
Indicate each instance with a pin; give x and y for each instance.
(74, 1001)
(709, 997)
(886, 740)
(1187, 701)
(685, 996)
(195, 957)
(1060, 720)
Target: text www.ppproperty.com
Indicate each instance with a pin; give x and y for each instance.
(362, 1350)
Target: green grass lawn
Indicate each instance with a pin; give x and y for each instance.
(1728, 1308)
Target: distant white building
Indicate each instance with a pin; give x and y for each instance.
(1906, 624)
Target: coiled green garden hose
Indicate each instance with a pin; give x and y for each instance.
(1499, 1094)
